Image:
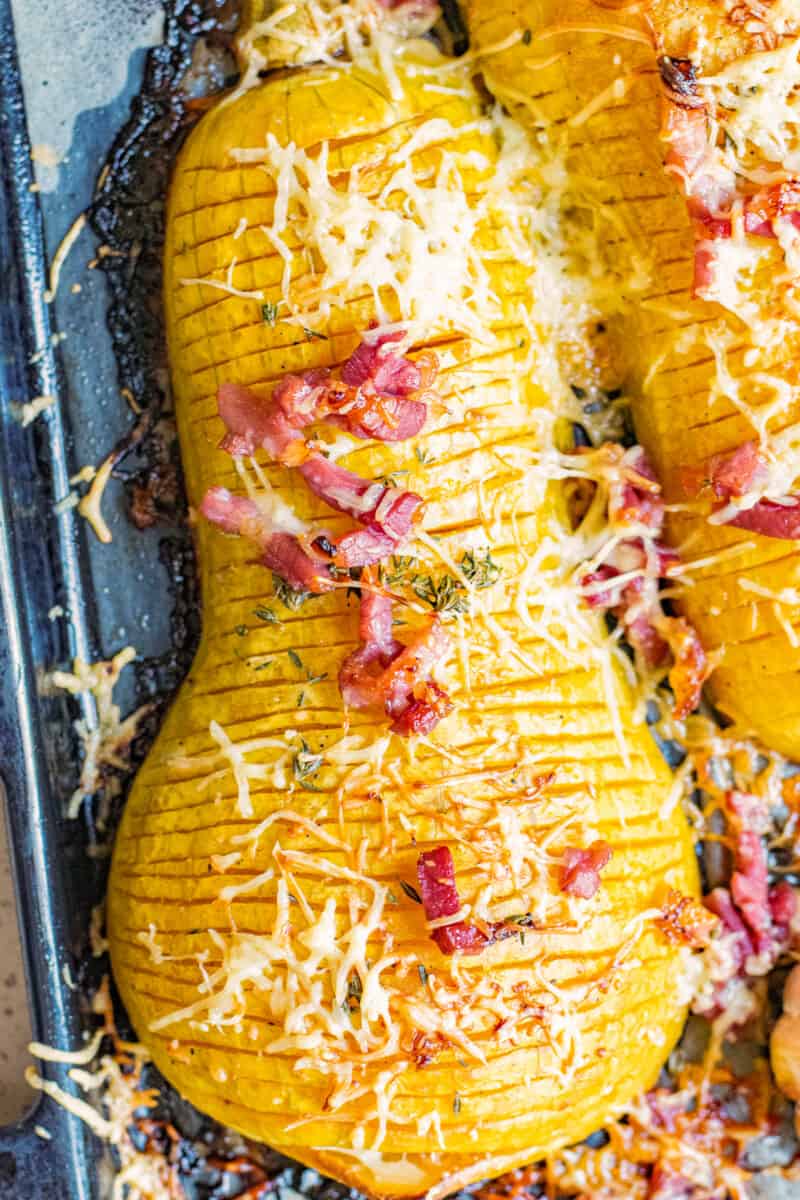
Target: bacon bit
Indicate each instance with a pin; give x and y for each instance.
(385, 398)
(690, 668)
(253, 423)
(758, 915)
(384, 395)
(437, 883)
(381, 395)
(710, 185)
(424, 715)
(282, 552)
(771, 518)
(733, 475)
(579, 874)
(728, 475)
(425, 1047)
(666, 1184)
(635, 498)
(679, 77)
(384, 673)
(684, 919)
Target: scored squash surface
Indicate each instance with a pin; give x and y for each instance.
(269, 849)
(705, 377)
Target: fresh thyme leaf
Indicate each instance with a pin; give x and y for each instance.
(445, 594)
(354, 987)
(295, 658)
(263, 666)
(288, 596)
(456, 1104)
(423, 456)
(411, 892)
(392, 479)
(315, 678)
(399, 570)
(241, 631)
(269, 312)
(527, 37)
(423, 974)
(391, 897)
(481, 570)
(305, 765)
(519, 919)
(314, 335)
(300, 698)
(266, 614)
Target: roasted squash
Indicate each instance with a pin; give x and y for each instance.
(266, 931)
(710, 364)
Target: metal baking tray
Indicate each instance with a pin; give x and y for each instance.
(62, 594)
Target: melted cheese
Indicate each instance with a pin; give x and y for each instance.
(107, 742)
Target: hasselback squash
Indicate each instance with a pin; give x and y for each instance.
(276, 913)
(676, 129)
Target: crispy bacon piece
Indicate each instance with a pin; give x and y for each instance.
(281, 551)
(666, 1184)
(579, 874)
(437, 882)
(728, 475)
(253, 423)
(384, 673)
(734, 474)
(386, 513)
(381, 395)
(684, 919)
(758, 915)
(771, 518)
(710, 185)
(679, 77)
(636, 497)
(690, 666)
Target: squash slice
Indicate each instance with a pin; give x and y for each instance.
(709, 368)
(266, 933)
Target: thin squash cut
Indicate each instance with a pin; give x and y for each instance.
(265, 917)
(676, 128)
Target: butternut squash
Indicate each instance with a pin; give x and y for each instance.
(707, 373)
(266, 933)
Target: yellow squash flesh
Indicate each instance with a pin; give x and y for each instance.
(596, 990)
(591, 73)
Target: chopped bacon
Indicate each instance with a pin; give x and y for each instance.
(733, 475)
(690, 667)
(579, 874)
(720, 903)
(679, 76)
(424, 714)
(437, 882)
(300, 397)
(252, 423)
(385, 510)
(684, 919)
(376, 623)
(281, 551)
(758, 915)
(381, 395)
(342, 489)
(636, 497)
(728, 475)
(709, 183)
(384, 673)
(667, 1184)
(771, 518)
